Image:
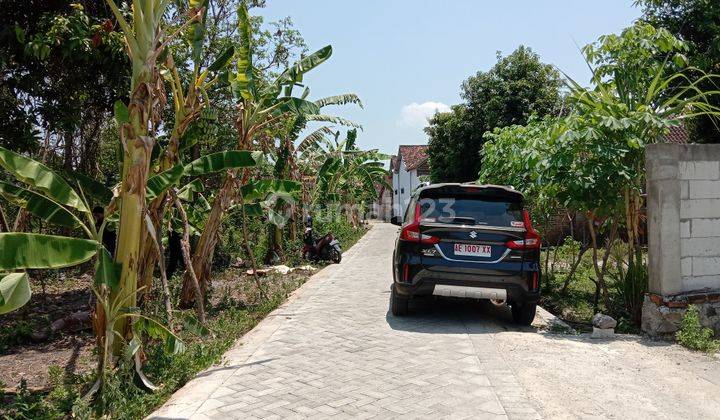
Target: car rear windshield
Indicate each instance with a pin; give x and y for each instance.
(471, 211)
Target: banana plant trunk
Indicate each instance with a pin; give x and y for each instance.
(137, 145)
(185, 114)
(156, 211)
(275, 253)
(205, 249)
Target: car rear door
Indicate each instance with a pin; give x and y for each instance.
(473, 227)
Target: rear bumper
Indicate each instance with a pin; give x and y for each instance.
(423, 283)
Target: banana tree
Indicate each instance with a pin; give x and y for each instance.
(189, 102)
(260, 105)
(137, 124)
(344, 172)
(286, 166)
(50, 198)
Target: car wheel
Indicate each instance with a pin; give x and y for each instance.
(523, 314)
(398, 305)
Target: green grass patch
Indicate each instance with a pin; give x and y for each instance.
(693, 335)
(580, 300)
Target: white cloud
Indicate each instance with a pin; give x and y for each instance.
(416, 115)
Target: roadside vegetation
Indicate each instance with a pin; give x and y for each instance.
(158, 156)
(577, 152)
(694, 336)
(589, 164)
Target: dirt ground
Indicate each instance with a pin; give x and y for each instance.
(23, 356)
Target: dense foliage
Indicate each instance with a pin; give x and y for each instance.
(195, 113)
(592, 160)
(515, 88)
(697, 22)
(48, 52)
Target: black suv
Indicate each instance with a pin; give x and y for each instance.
(469, 241)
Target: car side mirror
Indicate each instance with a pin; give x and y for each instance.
(395, 220)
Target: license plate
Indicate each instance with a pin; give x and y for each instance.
(470, 250)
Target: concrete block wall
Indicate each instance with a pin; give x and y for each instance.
(699, 221)
(683, 217)
(683, 203)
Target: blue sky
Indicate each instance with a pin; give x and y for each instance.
(406, 58)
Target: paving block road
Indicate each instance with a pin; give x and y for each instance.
(333, 350)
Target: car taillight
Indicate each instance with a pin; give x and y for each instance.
(532, 237)
(411, 231)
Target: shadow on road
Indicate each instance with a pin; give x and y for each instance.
(458, 316)
(455, 316)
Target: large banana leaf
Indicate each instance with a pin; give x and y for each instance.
(259, 190)
(332, 119)
(344, 99)
(285, 187)
(14, 292)
(244, 83)
(297, 106)
(31, 250)
(294, 74)
(187, 192)
(197, 29)
(159, 183)
(265, 208)
(328, 167)
(220, 161)
(222, 60)
(312, 141)
(39, 205)
(205, 165)
(41, 177)
(254, 210)
(107, 271)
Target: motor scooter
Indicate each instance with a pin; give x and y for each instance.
(327, 248)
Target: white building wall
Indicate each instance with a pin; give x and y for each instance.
(395, 193)
(404, 183)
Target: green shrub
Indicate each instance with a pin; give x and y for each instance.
(693, 335)
(15, 333)
(231, 244)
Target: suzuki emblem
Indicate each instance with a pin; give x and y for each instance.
(473, 234)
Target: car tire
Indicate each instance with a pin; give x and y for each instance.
(524, 314)
(398, 305)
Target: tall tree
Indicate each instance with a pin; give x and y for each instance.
(453, 138)
(49, 51)
(516, 87)
(696, 22)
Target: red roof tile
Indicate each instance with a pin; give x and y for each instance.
(677, 135)
(413, 155)
(393, 163)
